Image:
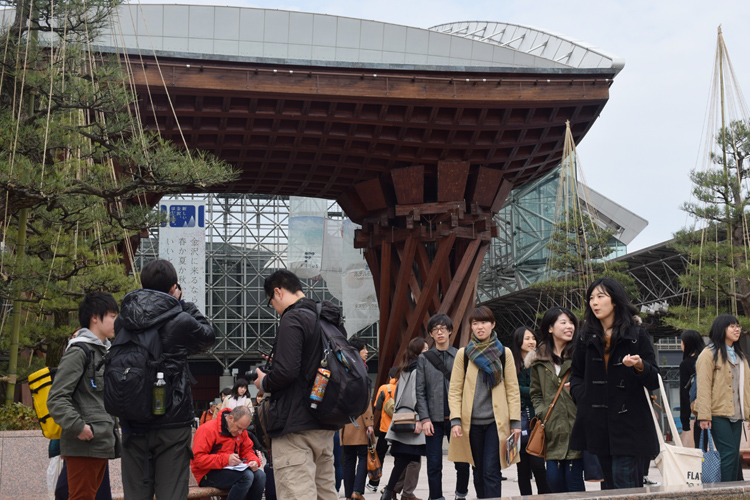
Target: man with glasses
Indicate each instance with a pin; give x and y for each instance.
(433, 379)
(302, 447)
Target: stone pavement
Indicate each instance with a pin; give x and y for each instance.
(510, 486)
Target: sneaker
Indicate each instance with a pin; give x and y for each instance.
(648, 482)
(371, 487)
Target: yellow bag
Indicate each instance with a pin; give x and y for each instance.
(40, 383)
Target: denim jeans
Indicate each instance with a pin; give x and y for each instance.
(434, 446)
(241, 484)
(355, 468)
(531, 464)
(485, 450)
(565, 475)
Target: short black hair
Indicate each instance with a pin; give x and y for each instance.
(357, 343)
(282, 279)
(158, 275)
(440, 320)
(96, 304)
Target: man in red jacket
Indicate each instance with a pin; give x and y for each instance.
(224, 456)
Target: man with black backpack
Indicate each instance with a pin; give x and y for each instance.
(156, 438)
(434, 369)
(302, 445)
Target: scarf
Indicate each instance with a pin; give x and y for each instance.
(731, 354)
(486, 355)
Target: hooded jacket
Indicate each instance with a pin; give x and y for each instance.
(77, 398)
(297, 352)
(613, 416)
(385, 392)
(544, 385)
(183, 331)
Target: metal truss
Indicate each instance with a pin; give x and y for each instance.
(246, 240)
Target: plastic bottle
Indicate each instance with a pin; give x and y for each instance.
(319, 387)
(160, 387)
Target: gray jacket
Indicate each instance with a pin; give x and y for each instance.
(432, 386)
(77, 398)
(405, 400)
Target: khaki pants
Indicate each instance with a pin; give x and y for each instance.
(303, 466)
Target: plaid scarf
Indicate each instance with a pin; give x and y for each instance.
(486, 355)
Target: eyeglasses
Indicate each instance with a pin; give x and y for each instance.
(439, 329)
(269, 301)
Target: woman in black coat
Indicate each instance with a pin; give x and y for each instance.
(612, 363)
(692, 344)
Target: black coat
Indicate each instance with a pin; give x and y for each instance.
(613, 414)
(183, 331)
(298, 350)
(687, 370)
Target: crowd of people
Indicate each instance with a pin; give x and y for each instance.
(583, 383)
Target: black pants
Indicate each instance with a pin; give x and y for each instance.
(527, 465)
(381, 448)
(400, 462)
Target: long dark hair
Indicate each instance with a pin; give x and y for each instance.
(516, 341)
(236, 388)
(693, 342)
(624, 312)
(718, 334)
(547, 339)
(412, 352)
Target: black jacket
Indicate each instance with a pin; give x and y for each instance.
(687, 370)
(613, 415)
(183, 331)
(296, 358)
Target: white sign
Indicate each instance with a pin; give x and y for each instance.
(182, 241)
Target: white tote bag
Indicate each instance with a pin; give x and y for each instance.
(679, 465)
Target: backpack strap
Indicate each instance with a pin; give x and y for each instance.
(89, 360)
(437, 361)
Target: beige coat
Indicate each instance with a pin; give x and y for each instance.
(715, 387)
(506, 402)
(353, 436)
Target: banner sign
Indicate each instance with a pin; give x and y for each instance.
(182, 241)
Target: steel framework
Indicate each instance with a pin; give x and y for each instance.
(246, 239)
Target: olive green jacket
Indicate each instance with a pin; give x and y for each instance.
(544, 385)
(77, 398)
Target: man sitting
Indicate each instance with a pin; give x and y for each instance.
(222, 448)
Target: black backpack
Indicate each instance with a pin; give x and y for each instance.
(130, 369)
(347, 395)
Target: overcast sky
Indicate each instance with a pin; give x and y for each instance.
(640, 151)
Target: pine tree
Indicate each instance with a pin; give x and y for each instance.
(718, 276)
(78, 176)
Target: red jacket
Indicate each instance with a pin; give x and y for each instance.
(213, 444)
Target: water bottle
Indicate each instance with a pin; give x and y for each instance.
(319, 387)
(160, 388)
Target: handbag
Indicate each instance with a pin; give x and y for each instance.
(711, 470)
(679, 466)
(374, 469)
(405, 421)
(537, 444)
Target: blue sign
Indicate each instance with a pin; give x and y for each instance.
(184, 216)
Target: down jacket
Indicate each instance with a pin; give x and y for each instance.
(297, 352)
(213, 443)
(183, 331)
(613, 416)
(544, 385)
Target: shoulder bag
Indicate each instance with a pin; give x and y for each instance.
(537, 444)
(404, 417)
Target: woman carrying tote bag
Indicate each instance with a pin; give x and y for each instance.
(550, 366)
(613, 361)
(485, 404)
(723, 401)
(406, 445)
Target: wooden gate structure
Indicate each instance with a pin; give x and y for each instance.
(421, 157)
